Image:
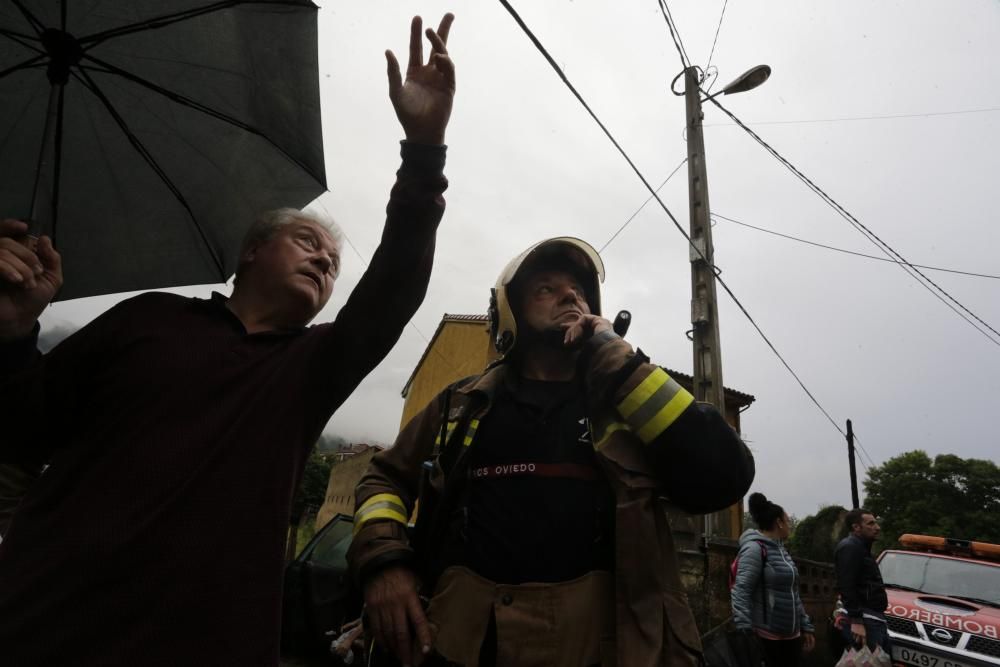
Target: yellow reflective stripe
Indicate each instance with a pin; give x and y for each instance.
(378, 514)
(471, 432)
(381, 498)
(448, 429)
(638, 396)
(606, 434)
(666, 416)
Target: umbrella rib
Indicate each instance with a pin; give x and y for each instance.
(22, 39)
(35, 23)
(89, 83)
(57, 166)
(167, 19)
(198, 106)
(24, 65)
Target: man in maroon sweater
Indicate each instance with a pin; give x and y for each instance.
(176, 429)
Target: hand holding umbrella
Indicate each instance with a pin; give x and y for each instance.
(29, 279)
(423, 101)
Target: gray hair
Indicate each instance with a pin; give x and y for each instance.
(268, 223)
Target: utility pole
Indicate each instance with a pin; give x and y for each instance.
(704, 307)
(854, 473)
(704, 304)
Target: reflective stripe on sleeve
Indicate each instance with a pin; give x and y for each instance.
(380, 506)
(654, 405)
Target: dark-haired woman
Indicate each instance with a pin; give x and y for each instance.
(765, 596)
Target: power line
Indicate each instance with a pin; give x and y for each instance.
(648, 199)
(715, 269)
(926, 282)
(717, 29)
(856, 118)
(850, 252)
(675, 34)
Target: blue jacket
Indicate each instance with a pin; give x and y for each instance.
(774, 584)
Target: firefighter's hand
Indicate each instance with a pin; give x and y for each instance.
(396, 616)
(808, 642)
(584, 327)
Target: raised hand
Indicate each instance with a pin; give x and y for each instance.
(583, 328)
(423, 101)
(29, 278)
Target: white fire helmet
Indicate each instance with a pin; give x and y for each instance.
(562, 252)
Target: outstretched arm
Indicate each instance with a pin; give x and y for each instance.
(395, 283)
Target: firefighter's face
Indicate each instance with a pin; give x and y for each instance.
(551, 300)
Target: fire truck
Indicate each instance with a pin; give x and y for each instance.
(944, 602)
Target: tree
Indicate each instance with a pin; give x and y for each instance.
(816, 535)
(947, 496)
(308, 497)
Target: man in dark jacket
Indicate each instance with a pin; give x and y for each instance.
(859, 582)
(543, 536)
(176, 430)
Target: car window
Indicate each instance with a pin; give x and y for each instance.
(942, 576)
(331, 547)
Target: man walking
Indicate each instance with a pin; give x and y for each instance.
(859, 583)
(543, 536)
(176, 430)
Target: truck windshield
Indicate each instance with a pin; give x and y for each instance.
(942, 576)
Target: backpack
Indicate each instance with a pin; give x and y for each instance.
(735, 565)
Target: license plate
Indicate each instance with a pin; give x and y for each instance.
(910, 656)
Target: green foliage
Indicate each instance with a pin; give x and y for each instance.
(312, 486)
(947, 496)
(816, 535)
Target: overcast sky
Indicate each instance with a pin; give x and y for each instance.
(526, 162)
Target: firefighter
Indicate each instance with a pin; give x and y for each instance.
(544, 484)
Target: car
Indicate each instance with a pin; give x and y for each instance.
(319, 596)
(944, 601)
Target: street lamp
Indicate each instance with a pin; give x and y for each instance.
(704, 306)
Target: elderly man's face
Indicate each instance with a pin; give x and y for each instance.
(299, 265)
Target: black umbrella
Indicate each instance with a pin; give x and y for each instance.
(144, 135)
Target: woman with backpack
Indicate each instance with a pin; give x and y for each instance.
(765, 592)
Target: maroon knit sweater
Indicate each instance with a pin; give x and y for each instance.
(176, 440)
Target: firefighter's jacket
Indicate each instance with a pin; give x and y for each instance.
(656, 445)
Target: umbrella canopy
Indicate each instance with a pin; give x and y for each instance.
(144, 135)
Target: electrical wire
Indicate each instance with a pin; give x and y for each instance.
(849, 252)
(923, 280)
(861, 449)
(648, 199)
(717, 29)
(856, 118)
(715, 269)
(675, 33)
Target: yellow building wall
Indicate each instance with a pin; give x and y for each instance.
(459, 350)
